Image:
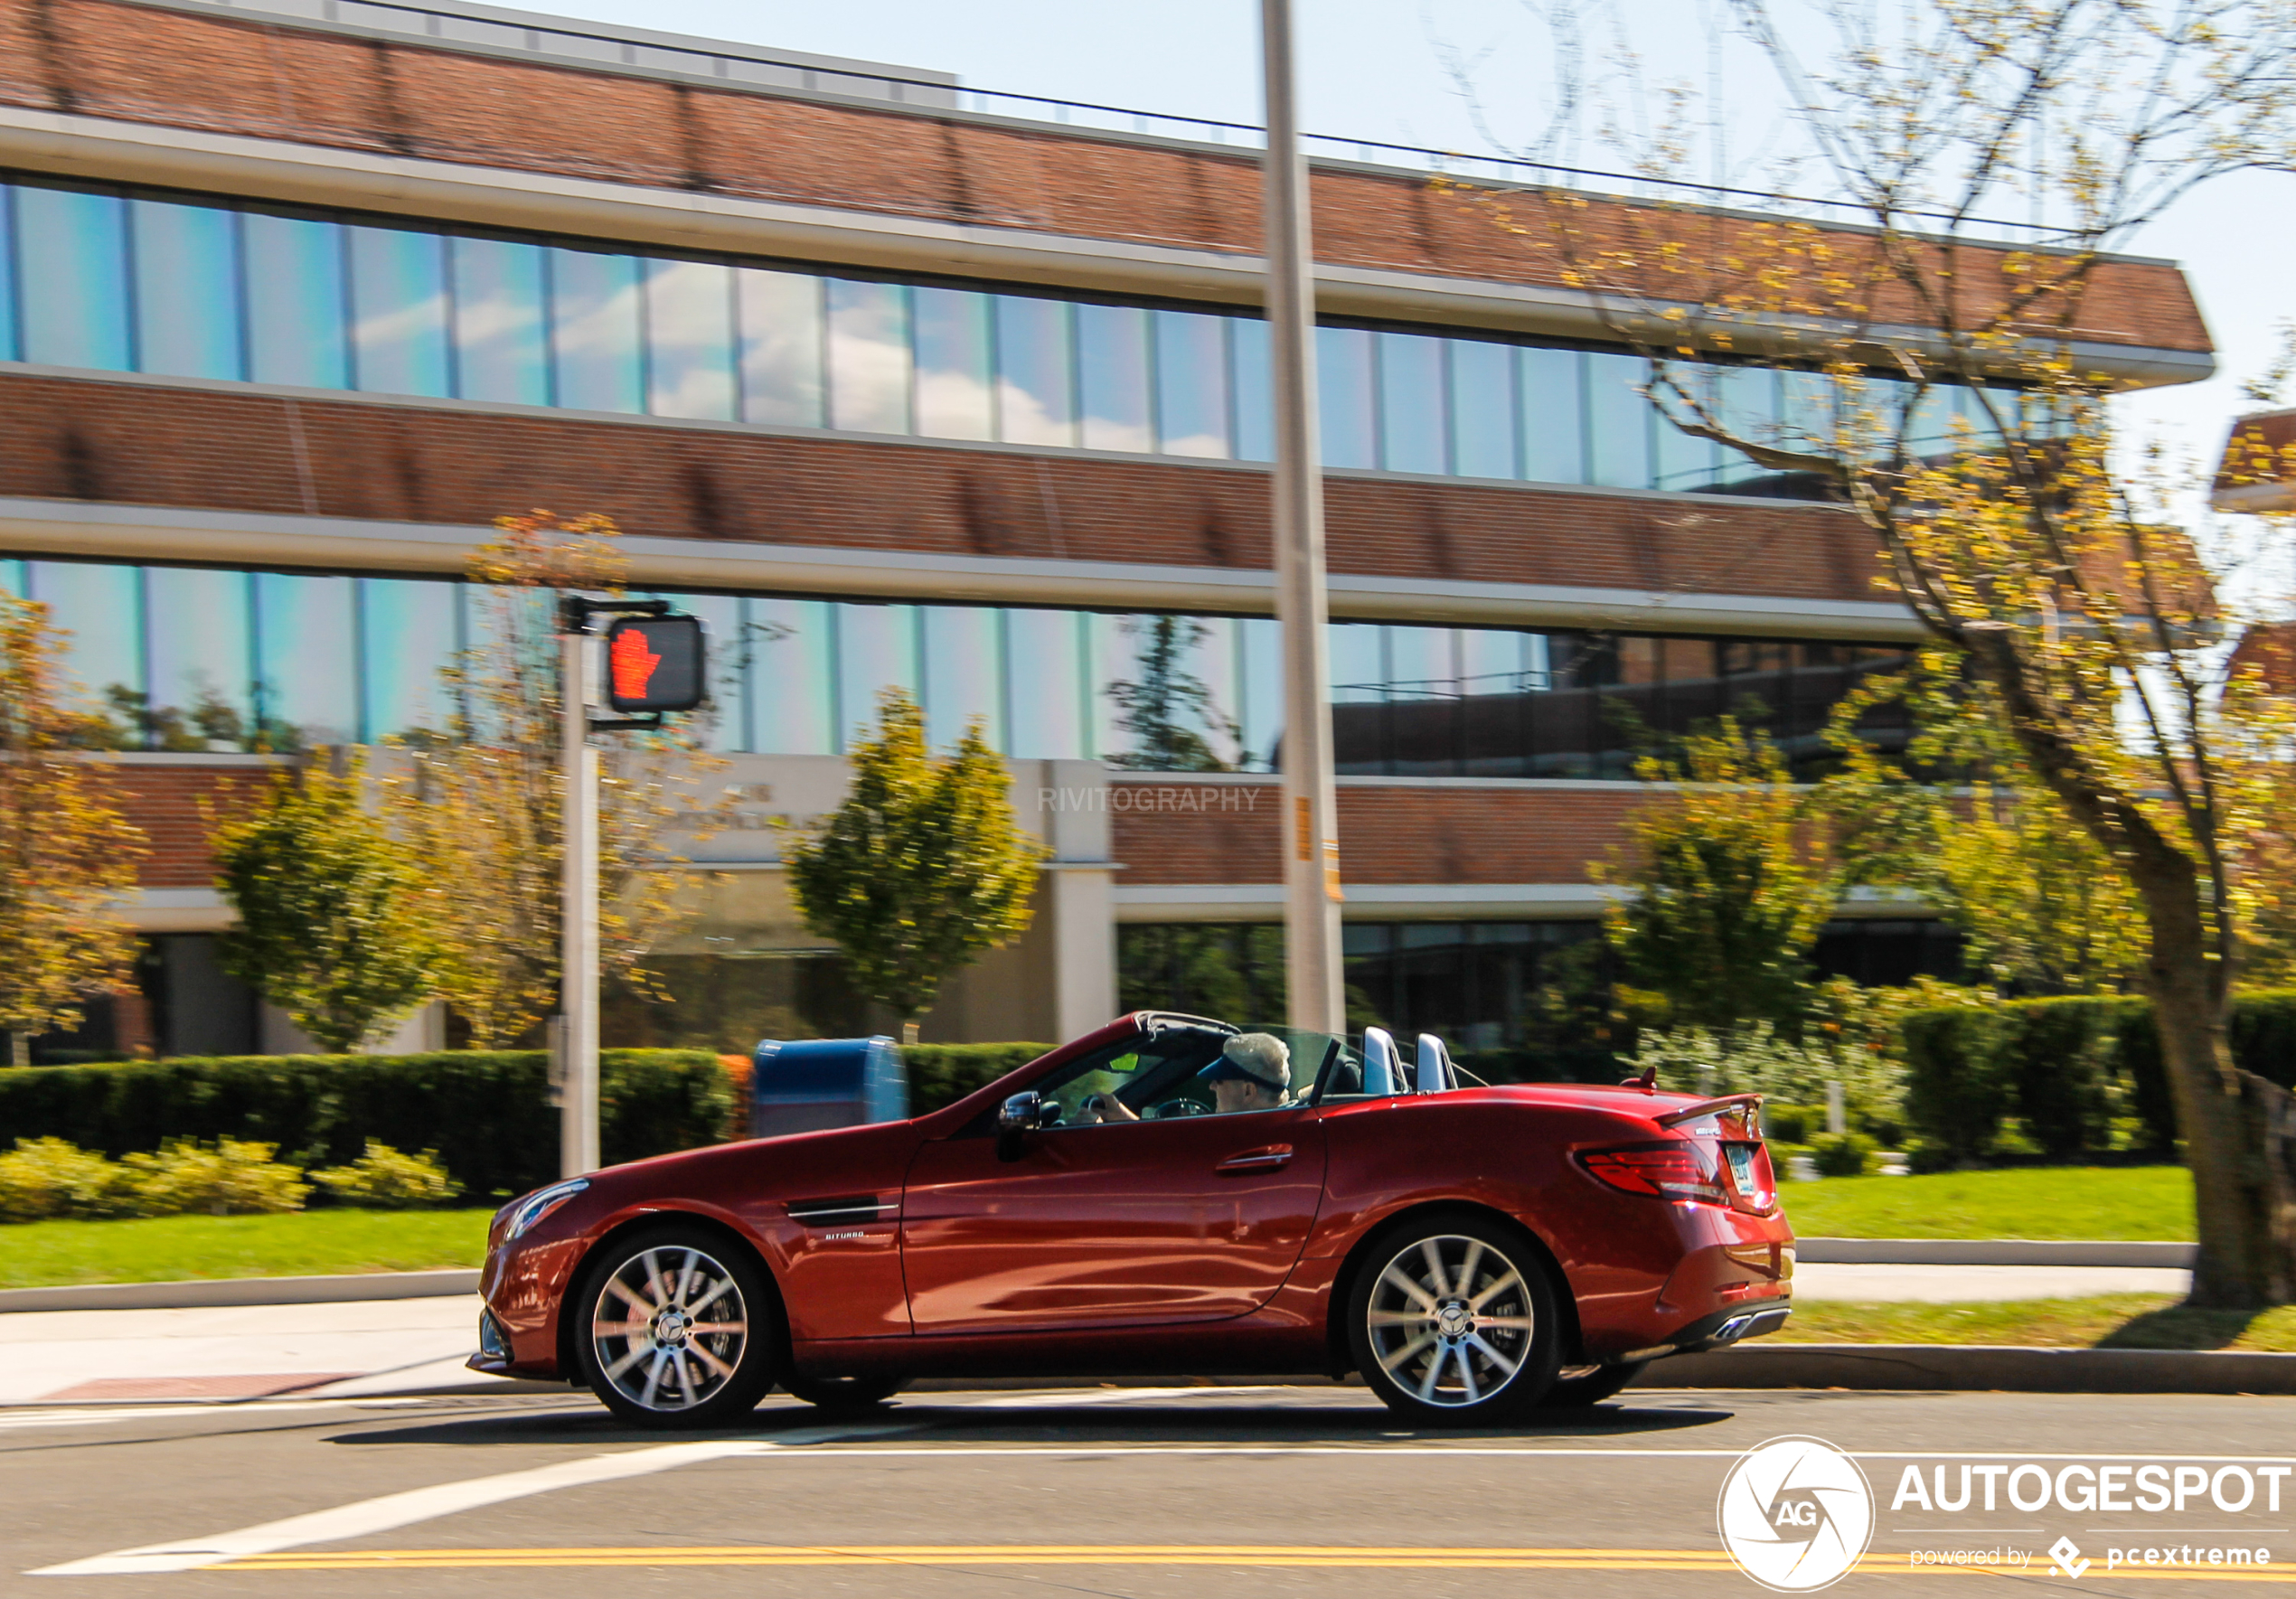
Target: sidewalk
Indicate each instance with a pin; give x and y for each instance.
(418, 1345)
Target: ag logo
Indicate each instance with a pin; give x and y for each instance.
(1795, 1514)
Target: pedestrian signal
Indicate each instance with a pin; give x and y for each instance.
(655, 663)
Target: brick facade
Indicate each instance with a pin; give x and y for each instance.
(132, 444)
(100, 58)
(1402, 834)
(173, 806)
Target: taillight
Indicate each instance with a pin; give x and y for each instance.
(1680, 1169)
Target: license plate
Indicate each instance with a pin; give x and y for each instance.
(1741, 1157)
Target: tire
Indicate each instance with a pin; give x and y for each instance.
(1591, 1387)
(1428, 1349)
(843, 1393)
(647, 1356)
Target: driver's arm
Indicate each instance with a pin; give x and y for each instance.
(1108, 1107)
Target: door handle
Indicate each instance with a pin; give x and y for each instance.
(1257, 1160)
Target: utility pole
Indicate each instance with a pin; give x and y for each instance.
(578, 921)
(1311, 804)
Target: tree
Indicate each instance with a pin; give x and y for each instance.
(1943, 387)
(1724, 899)
(66, 853)
(1156, 709)
(481, 801)
(333, 927)
(1955, 820)
(921, 868)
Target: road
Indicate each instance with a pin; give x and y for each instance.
(1148, 1492)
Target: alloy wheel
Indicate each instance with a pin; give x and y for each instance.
(1450, 1321)
(670, 1328)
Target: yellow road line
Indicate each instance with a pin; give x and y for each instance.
(1226, 1555)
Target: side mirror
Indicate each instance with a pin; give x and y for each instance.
(1016, 1118)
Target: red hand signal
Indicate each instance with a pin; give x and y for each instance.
(632, 663)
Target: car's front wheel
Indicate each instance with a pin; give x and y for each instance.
(1453, 1322)
(675, 1329)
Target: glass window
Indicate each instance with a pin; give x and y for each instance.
(10, 350)
(295, 322)
(72, 249)
(305, 629)
(1806, 410)
(398, 310)
(1036, 372)
(102, 607)
(1343, 396)
(1684, 462)
(1259, 647)
(1112, 656)
(187, 289)
(11, 578)
(963, 674)
(1248, 343)
(1747, 397)
(594, 330)
(1112, 347)
(1618, 420)
(792, 649)
(1554, 414)
(1358, 662)
(1412, 422)
(723, 723)
(869, 363)
(1049, 694)
(1191, 385)
(1483, 429)
(501, 351)
(954, 398)
(203, 660)
(408, 628)
(781, 347)
(689, 339)
(876, 650)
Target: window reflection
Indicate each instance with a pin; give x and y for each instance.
(869, 358)
(1618, 421)
(781, 347)
(792, 645)
(72, 250)
(876, 650)
(953, 397)
(1483, 429)
(1554, 414)
(1050, 692)
(306, 636)
(1343, 396)
(963, 674)
(407, 629)
(102, 607)
(203, 660)
(398, 310)
(1412, 403)
(1035, 403)
(594, 330)
(1247, 341)
(500, 346)
(187, 289)
(688, 332)
(295, 323)
(1112, 345)
(1191, 385)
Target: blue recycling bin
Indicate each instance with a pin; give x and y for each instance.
(805, 1085)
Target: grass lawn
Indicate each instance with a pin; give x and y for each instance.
(2135, 1202)
(310, 1243)
(2113, 1322)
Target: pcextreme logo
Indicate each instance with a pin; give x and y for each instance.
(1795, 1514)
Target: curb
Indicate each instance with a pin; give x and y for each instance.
(2007, 1368)
(2103, 1252)
(200, 1294)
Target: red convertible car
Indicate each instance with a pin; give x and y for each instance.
(1168, 1195)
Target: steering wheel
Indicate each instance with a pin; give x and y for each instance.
(1180, 1108)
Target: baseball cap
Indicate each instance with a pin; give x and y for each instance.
(1252, 1058)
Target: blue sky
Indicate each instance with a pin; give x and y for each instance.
(1378, 69)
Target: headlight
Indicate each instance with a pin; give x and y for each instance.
(531, 1210)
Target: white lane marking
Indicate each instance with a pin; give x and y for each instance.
(201, 1409)
(371, 1516)
(1063, 1399)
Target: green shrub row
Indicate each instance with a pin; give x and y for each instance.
(943, 1074)
(2082, 1077)
(487, 1113)
(47, 1179)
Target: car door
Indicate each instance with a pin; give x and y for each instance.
(1185, 1218)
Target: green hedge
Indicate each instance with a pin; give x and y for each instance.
(487, 1113)
(2065, 1068)
(943, 1074)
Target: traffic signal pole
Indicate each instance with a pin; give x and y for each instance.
(1317, 1002)
(577, 922)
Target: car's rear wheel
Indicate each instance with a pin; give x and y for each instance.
(1577, 1389)
(675, 1329)
(1453, 1322)
(842, 1393)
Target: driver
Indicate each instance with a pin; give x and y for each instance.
(1253, 1072)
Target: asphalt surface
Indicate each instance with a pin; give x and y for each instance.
(1147, 1493)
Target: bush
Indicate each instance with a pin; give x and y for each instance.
(1791, 1124)
(2073, 1078)
(42, 1179)
(1845, 1155)
(943, 1074)
(384, 1179)
(231, 1177)
(485, 1113)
